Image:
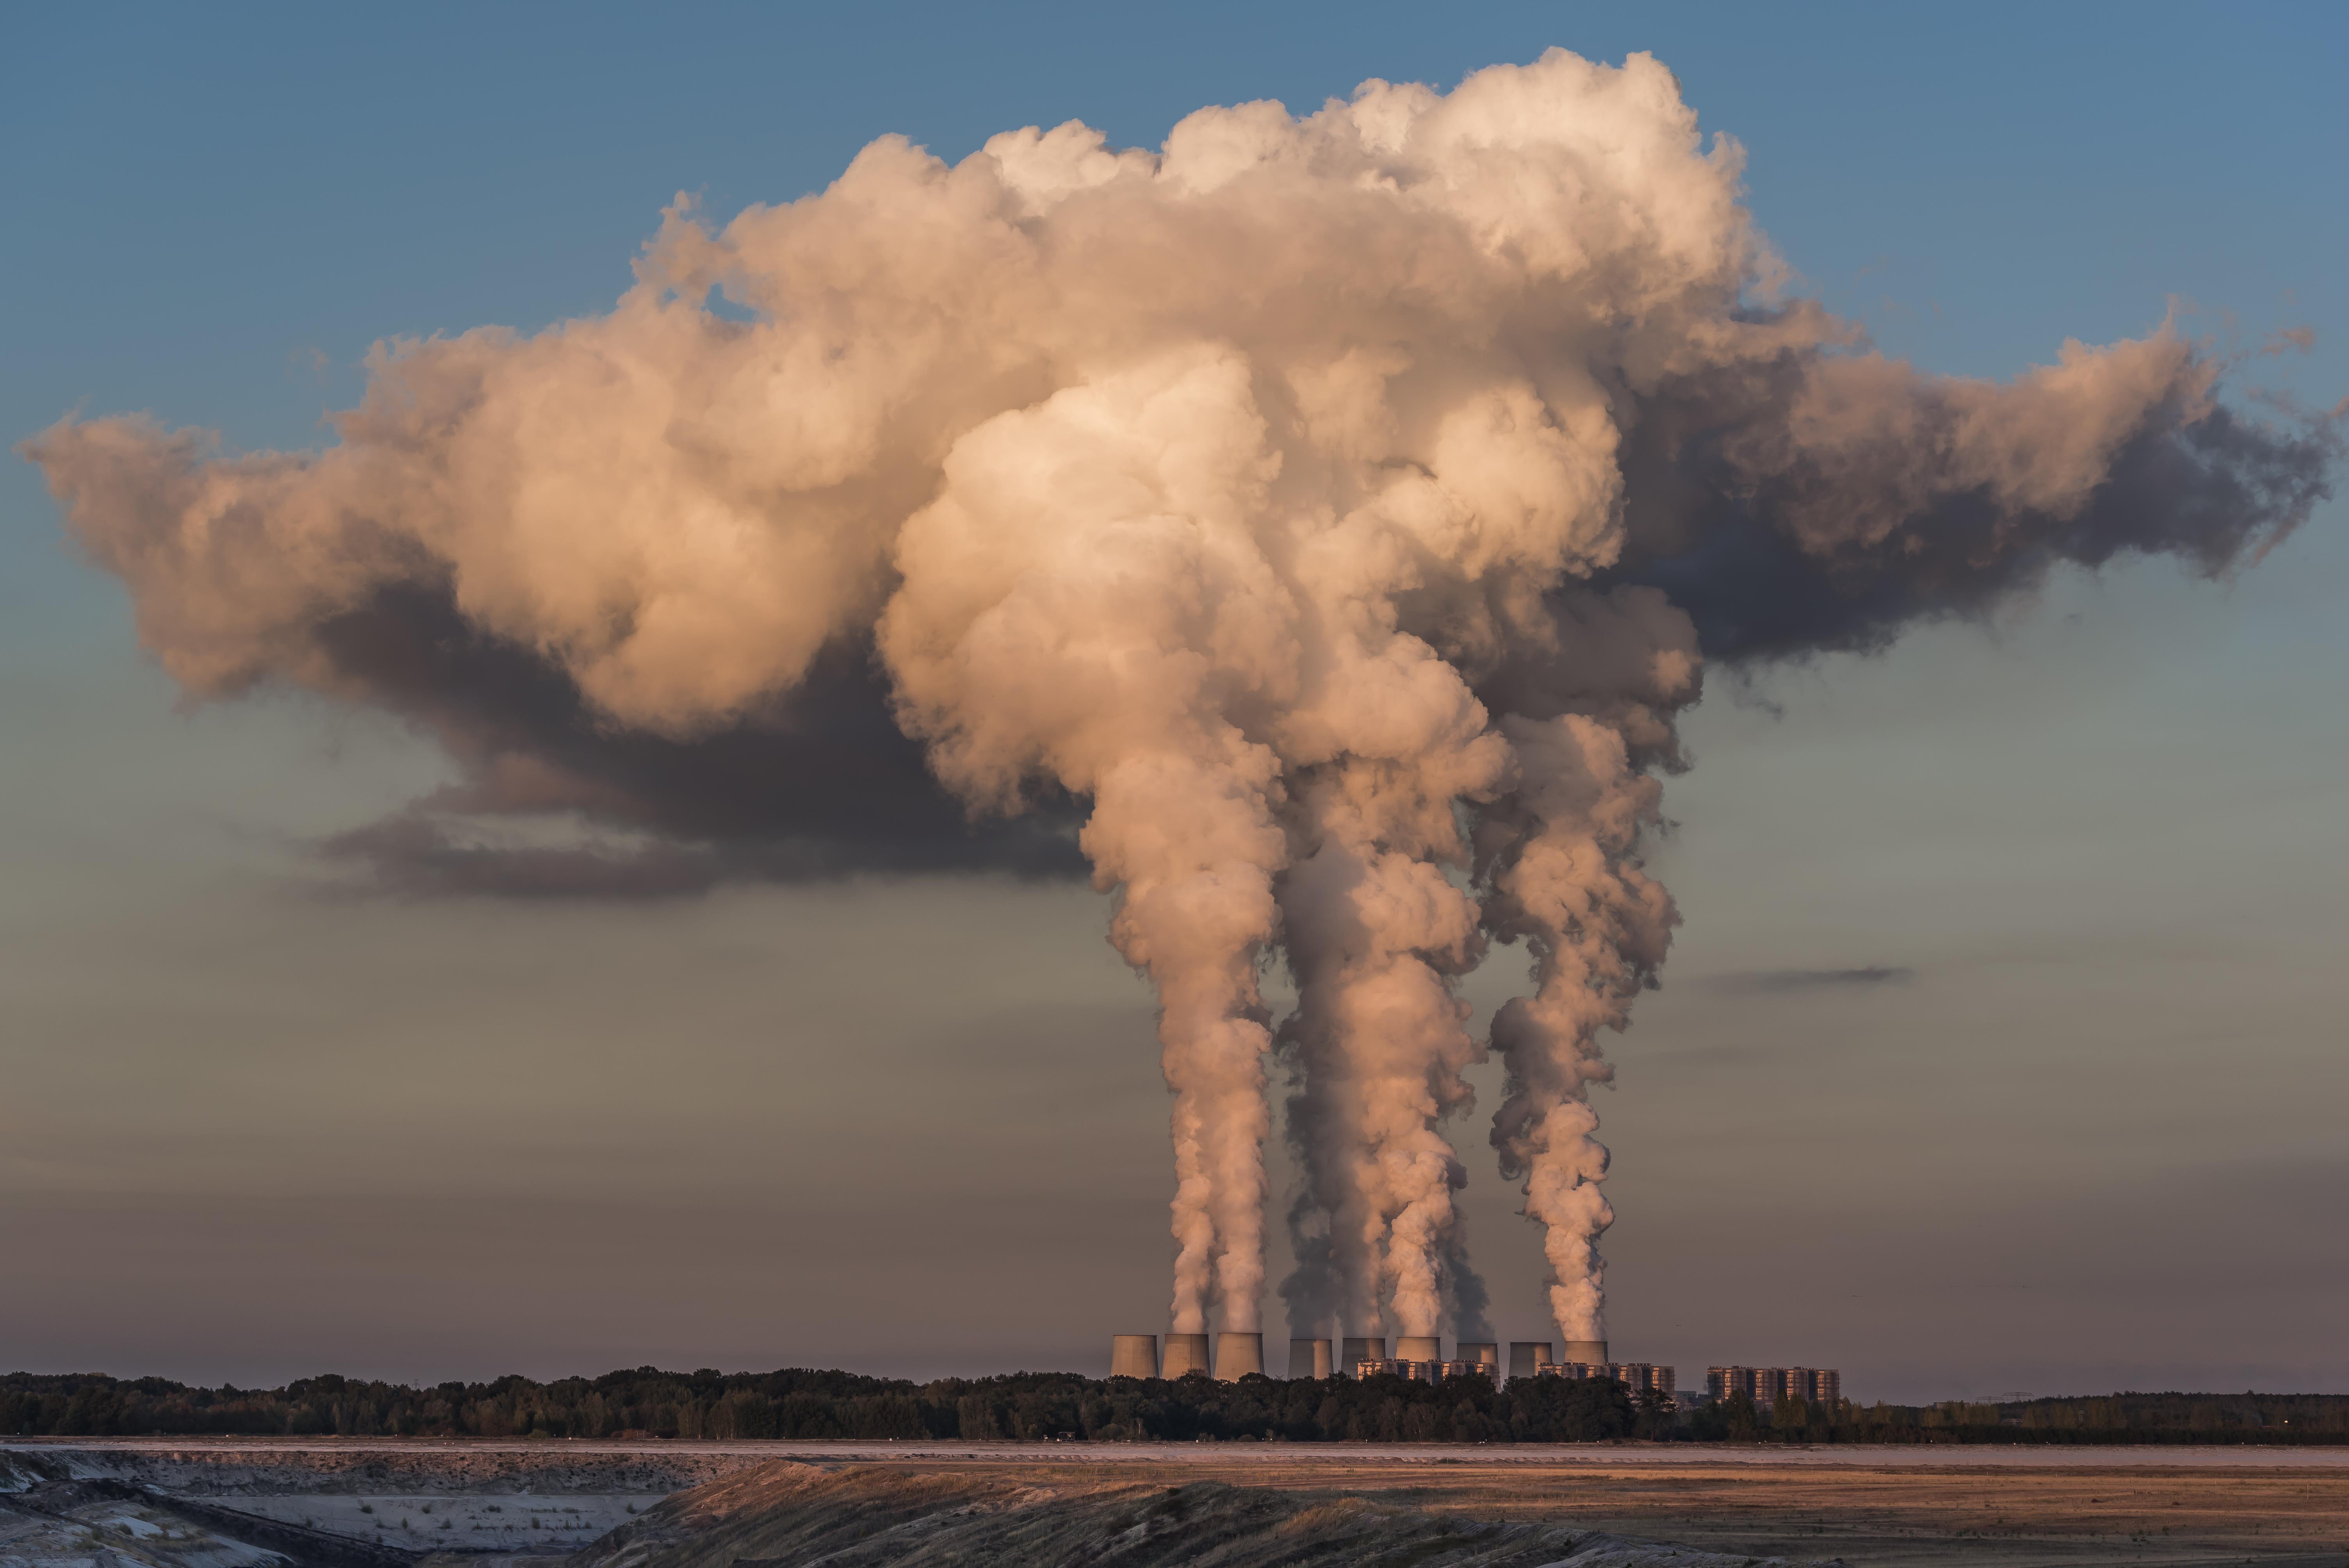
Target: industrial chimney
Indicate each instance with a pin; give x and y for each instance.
(1238, 1355)
(1419, 1347)
(1483, 1352)
(1359, 1348)
(1134, 1355)
(1526, 1357)
(1185, 1354)
(1309, 1358)
(1591, 1352)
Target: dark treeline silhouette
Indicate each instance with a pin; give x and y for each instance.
(801, 1404)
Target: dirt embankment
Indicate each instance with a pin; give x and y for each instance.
(852, 1514)
(796, 1515)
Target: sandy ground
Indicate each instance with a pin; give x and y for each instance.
(1874, 1508)
(1870, 1515)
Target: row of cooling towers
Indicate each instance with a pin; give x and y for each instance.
(1239, 1355)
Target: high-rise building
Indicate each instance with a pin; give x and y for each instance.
(1641, 1377)
(1765, 1386)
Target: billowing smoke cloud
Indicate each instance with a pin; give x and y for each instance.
(1318, 524)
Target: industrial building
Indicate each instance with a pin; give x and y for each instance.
(1639, 1377)
(1421, 1358)
(1765, 1386)
(1425, 1371)
(1134, 1355)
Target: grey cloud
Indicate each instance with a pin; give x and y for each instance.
(1726, 498)
(1780, 982)
(420, 855)
(821, 785)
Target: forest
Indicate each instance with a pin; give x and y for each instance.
(801, 1404)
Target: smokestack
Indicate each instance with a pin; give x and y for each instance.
(1309, 1358)
(1419, 1347)
(1481, 1352)
(1591, 1352)
(1134, 1355)
(1185, 1354)
(1527, 1356)
(1362, 1348)
(1238, 1355)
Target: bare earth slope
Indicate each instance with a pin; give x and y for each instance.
(388, 1504)
(795, 1515)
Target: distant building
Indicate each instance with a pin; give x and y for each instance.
(1487, 1370)
(1639, 1377)
(1728, 1382)
(1765, 1386)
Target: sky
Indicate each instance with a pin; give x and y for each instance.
(2001, 1048)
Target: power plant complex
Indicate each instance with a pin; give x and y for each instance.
(1421, 1359)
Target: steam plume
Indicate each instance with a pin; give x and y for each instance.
(1332, 513)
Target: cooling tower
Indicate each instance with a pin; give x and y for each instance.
(1134, 1355)
(1591, 1352)
(1483, 1352)
(1309, 1358)
(1419, 1347)
(1526, 1357)
(1359, 1348)
(1239, 1355)
(1185, 1354)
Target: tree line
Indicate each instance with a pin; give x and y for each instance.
(800, 1403)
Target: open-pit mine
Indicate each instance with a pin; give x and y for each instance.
(289, 1503)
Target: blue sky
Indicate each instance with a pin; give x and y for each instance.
(2090, 1140)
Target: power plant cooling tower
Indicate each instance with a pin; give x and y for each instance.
(1481, 1352)
(1526, 1357)
(1239, 1355)
(1419, 1347)
(1185, 1354)
(1309, 1358)
(1134, 1355)
(1359, 1348)
(1589, 1351)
